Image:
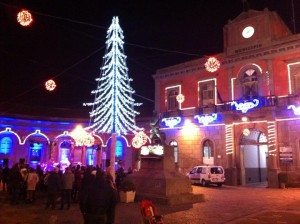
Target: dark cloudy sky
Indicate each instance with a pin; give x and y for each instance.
(67, 41)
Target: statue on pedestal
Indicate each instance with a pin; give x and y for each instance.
(155, 135)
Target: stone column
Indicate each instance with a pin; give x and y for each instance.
(83, 156)
(113, 155)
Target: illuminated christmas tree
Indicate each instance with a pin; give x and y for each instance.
(113, 107)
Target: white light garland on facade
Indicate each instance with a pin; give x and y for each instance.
(229, 139)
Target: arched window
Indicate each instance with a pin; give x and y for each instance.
(250, 83)
(5, 145)
(35, 153)
(175, 145)
(208, 152)
(91, 158)
(65, 148)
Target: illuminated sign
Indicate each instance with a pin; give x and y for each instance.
(295, 109)
(171, 122)
(206, 119)
(244, 107)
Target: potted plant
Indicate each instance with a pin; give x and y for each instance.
(127, 191)
(282, 179)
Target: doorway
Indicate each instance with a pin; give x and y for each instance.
(253, 157)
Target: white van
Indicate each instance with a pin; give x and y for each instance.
(206, 175)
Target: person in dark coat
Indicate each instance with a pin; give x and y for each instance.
(120, 175)
(15, 182)
(5, 174)
(78, 174)
(53, 188)
(67, 180)
(97, 201)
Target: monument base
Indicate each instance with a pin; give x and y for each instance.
(159, 181)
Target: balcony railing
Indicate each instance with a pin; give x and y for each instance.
(228, 106)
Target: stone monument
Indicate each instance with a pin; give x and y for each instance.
(158, 180)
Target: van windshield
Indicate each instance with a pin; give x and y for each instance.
(216, 170)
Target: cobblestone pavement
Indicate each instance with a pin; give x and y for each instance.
(251, 204)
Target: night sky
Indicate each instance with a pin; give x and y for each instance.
(66, 42)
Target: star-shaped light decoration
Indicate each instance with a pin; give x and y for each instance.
(24, 18)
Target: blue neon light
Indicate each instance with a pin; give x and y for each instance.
(244, 107)
(171, 122)
(206, 119)
(295, 109)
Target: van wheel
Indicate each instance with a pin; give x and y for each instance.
(203, 183)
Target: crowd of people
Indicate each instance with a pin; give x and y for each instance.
(94, 189)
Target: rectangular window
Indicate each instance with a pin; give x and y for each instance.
(172, 93)
(206, 92)
(297, 84)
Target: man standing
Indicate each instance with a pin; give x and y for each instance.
(98, 201)
(54, 186)
(67, 185)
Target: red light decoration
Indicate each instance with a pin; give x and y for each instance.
(212, 64)
(24, 18)
(50, 85)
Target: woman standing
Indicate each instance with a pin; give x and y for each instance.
(32, 181)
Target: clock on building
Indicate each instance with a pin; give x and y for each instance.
(248, 32)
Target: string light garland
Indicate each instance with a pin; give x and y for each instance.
(113, 107)
(50, 85)
(24, 18)
(212, 64)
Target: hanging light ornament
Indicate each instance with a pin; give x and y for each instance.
(180, 98)
(139, 139)
(82, 138)
(50, 85)
(212, 64)
(24, 18)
